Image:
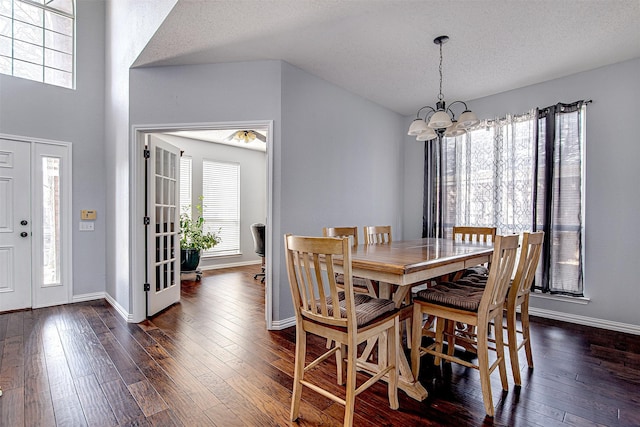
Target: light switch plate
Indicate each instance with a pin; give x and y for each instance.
(86, 226)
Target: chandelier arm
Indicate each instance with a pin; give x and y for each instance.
(454, 103)
(426, 106)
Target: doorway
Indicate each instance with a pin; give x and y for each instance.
(174, 134)
(35, 223)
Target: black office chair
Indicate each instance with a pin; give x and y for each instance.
(257, 230)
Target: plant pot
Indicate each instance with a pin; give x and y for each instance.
(189, 259)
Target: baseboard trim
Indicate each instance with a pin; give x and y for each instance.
(586, 321)
(121, 311)
(229, 265)
(278, 325)
(89, 297)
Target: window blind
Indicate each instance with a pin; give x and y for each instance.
(221, 204)
(185, 186)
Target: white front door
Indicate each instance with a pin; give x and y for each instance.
(163, 230)
(15, 225)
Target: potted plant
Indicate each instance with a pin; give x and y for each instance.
(194, 240)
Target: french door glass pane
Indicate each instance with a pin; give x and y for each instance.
(51, 220)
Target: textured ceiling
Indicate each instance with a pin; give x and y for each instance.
(383, 49)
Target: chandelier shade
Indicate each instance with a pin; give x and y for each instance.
(427, 135)
(441, 120)
(417, 127)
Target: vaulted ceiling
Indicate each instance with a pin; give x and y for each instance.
(383, 50)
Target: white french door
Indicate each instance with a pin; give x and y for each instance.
(35, 224)
(15, 225)
(163, 229)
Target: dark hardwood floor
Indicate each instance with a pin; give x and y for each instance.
(209, 361)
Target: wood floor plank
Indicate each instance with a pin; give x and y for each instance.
(123, 404)
(148, 399)
(12, 367)
(12, 407)
(94, 403)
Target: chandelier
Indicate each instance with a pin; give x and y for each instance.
(441, 121)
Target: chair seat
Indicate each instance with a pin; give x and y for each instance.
(476, 270)
(367, 308)
(475, 280)
(358, 282)
(453, 295)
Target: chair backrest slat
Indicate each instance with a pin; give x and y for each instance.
(377, 234)
(505, 250)
(342, 232)
(474, 234)
(530, 251)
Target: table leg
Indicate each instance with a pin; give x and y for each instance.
(407, 382)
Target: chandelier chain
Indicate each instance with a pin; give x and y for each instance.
(440, 96)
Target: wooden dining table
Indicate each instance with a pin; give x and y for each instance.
(400, 265)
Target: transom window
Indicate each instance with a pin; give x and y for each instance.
(37, 40)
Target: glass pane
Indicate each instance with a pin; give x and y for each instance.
(27, 32)
(58, 23)
(5, 26)
(59, 42)
(58, 78)
(27, 13)
(65, 6)
(5, 7)
(28, 52)
(27, 71)
(171, 185)
(158, 161)
(58, 60)
(51, 220)
(5, 65)
(5, 46)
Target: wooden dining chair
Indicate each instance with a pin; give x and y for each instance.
(473, 235)
(360, 284)
(477, 306)
(376, 234)
(518, 297)
(342, 316)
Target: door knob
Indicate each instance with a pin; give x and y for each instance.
(24, 234)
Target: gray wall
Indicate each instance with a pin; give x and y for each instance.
(253, 190)
(129, 26)
(38, 110)
(612, 175)
(336, 157)
(341, 165)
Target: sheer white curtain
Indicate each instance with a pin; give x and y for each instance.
(489, 176)
(518, 173)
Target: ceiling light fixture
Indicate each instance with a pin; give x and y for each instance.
(441, 121)
(245, 135)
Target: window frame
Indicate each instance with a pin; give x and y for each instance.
(43, 51)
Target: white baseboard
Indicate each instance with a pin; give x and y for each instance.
(229, 265)
(587, 321)
(89, 297)
(278, 325)
(121, 311)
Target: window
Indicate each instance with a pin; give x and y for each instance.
(51, 221)
(37, 40)
(185, 185)
(517, 174)
(221, 204)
